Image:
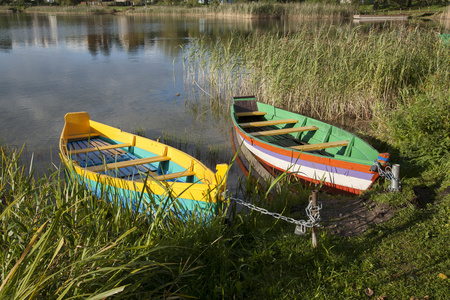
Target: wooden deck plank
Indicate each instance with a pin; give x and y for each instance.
(128, 163)
(284, 131)
(86, 153)
(80, 157)
(250, 113)
(320, 146)
(267, 123)
(86, 150)
(108, 152)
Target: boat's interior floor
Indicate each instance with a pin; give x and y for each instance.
(103, 157)
(282, 140)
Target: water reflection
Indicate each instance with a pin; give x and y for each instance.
(126, 71)
(101, 34)
(98, 34)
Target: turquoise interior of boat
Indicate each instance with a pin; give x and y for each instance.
(96, 158)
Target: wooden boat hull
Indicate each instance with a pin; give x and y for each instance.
(340, 169)
(135, 170)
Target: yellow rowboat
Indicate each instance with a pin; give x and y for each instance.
(138, 170)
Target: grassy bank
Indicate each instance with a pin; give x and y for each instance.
(60, 242)
(244, 10)
(304, 10)
(397, 78)
(63, 243)
(329, 71)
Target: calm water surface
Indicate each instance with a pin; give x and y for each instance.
(125, 71)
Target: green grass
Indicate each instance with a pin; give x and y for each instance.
(60, 242)
(397, 79)
(328, 72)
(246, 10)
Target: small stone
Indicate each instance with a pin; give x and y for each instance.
(369, 292)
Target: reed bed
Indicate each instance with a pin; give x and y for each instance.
(61, 242)
(58, 241)
(72, 9)
(209, 154)
(255, 10)
(237, 10)
(327, 72)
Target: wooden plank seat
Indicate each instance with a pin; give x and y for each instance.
(284, 131)
(320, 146)
(168, 176)
(267, 123)
(102, 148)
(175, 175)
(250, 113)
(94, 158)
(84, 136)
(128, 163)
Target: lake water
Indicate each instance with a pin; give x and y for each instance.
(125, 71)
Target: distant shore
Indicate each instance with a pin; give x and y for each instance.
(246, 11)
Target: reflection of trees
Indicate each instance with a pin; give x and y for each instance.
(5, 35)
(98, 36)
(28, 30)
(96, 42)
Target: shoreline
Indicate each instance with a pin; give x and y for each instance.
(248, 11)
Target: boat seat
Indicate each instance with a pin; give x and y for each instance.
(284, 131)
(92, 149)
(250, 113)
(320, 146)
(128, 163)
(175, 175)
(267, 123)
(168, 176)
(84, 136)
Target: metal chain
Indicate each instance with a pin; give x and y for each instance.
(386, 174)
(312, 212)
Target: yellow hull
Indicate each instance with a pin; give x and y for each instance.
(204, 189)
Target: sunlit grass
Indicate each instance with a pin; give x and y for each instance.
(58, 241)
(246, 10)
(327, 72)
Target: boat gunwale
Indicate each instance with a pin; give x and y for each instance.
(209, 190)
(336, 160)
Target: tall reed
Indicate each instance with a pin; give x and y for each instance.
(58, 241)
(255, 10)
(327, 72)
